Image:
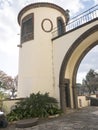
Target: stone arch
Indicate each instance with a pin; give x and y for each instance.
(79, 61)
(84, 38)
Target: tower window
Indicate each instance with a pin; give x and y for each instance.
(61, 27)
(27, 30)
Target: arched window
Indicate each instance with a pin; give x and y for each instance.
(60, 25)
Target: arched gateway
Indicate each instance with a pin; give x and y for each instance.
(72, 59)
(48, 58)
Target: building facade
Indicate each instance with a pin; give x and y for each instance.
(49, 57)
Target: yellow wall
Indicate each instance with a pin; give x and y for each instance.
(60, 48)
(83, 102)
(8, 105)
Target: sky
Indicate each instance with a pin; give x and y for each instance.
(10, 30)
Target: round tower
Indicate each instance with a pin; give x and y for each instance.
(35, 50)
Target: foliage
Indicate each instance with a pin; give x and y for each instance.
(2, 96)
(8, 83)
(37, 105)
(91, 81)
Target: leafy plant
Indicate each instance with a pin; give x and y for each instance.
(37, 105)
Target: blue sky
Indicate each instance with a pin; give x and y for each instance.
(9, 29)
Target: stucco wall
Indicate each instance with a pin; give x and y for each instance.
(36, 56)
(7, 105)
(62, 44)
(83, 101)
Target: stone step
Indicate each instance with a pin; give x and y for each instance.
(26, 123)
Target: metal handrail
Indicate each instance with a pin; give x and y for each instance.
(79, 20)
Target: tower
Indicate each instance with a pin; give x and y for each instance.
(36, 50)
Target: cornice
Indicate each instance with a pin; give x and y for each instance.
(44, 4)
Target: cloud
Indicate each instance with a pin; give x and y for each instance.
(73, 5)
(90, 61)
(80, 77)
(8, 38)
(96, 1)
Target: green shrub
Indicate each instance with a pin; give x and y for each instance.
(37, 105)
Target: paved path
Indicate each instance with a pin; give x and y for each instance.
(83, 119)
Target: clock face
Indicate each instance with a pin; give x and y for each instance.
(47, 25)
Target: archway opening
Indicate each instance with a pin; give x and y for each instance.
(88, 63)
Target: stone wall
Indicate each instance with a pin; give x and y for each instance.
(8, 104)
